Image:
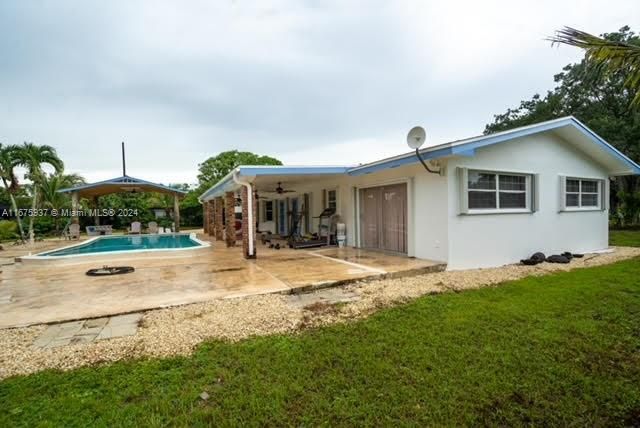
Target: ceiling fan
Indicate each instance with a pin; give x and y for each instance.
(279, 190)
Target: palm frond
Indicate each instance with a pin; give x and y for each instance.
(607, 56)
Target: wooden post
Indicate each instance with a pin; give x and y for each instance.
(96, 207)
(75, 206)
(176, 212)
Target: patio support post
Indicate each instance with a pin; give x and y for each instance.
(176, 212)
(96, 207)
(218, 226)
(205, 216)
(248, 229)
(75, 206)
(211, 227)
(230, 214)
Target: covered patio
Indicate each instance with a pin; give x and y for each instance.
(265, 199)
(318, 206)
(123, 184)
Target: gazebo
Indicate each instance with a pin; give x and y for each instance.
(123, 184)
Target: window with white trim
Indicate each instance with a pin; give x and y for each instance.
(498, 191)
(582, 193)
(332, 199)
(268, 211)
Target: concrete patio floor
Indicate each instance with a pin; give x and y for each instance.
(35, 293)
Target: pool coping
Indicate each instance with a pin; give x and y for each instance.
(44, 257)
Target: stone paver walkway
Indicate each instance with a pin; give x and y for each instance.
(84, 331)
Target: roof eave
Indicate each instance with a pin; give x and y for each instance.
(252, 171)
(218, 187)
(114, 182)
(468, 147)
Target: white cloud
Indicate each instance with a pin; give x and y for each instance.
(306, 82)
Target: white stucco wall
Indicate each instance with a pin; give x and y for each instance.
(485, 240)
(437, 230)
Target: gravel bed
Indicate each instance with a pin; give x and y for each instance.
(177, 330)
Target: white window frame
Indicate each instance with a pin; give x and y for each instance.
(563, 194)
(327, 191)
(273, 210)
(529, 208)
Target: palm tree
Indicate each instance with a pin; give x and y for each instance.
(607, 56)
(32, 157)
(8, 161)
(50, 186)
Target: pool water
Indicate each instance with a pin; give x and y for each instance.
(105, 244)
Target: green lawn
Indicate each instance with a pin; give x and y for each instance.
(555, 350)
(625, 238)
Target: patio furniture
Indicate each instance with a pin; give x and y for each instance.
(99, 230)
(152, 227)
(135, 228)
(73, 231)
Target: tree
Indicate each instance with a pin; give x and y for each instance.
(49, 190)
(8, 162)
(33, 157)
(602, 102)
(607, 56)
(216, 167)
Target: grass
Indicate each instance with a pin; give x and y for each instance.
(625, 238)
(555, 350)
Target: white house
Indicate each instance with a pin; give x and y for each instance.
(493, 199)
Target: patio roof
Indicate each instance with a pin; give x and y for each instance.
(119, 185)
(227, 183)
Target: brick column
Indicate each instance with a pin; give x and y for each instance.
(211, 227)
(205, 216)
(245, 225)
(230, 229)
(218, 226)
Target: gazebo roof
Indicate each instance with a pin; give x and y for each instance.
(121, 185)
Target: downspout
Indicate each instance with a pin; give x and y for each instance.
(247, 185)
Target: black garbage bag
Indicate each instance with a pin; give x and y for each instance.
(539, 257)
(535, 259)
(557, 258)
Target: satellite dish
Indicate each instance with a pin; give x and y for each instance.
(416, 137)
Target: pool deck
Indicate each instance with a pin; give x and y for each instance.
(60, 291)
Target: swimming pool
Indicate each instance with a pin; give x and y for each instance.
(128, 243)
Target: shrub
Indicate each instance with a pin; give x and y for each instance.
(8, 230)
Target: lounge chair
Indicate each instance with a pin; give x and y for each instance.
(135, 228)
(152, 227)
(73, 231)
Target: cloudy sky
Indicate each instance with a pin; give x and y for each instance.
(310, 82)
